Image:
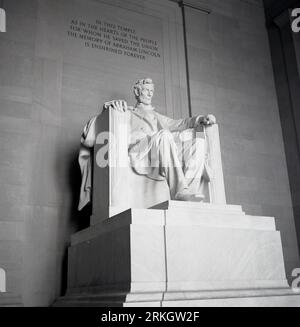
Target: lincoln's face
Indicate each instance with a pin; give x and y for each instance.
(146, 94)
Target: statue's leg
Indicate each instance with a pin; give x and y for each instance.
(192, 154)
(164, 151)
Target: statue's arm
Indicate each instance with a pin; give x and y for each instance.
(186, 123)
(175, 124)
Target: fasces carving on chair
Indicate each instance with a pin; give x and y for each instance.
(158, 148)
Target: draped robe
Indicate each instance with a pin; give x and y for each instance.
(186, 161)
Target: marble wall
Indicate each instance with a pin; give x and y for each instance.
(51, 85)
(231, 75)
(52, 82)
(16, 94)
(285, 47)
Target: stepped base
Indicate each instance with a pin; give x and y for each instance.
(179, 254)
(10, 300)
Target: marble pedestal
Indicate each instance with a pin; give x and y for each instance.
(178, 254)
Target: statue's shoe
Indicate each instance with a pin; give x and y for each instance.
(186, 196)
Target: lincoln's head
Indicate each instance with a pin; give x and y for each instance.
(143, 90)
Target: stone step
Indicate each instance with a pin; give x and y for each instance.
(178, 216)
(234, 298)
(9, 299)
(219, 220)
(253, 301)
(171, 204)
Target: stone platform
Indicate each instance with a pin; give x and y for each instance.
(10, 300)
(179, 254)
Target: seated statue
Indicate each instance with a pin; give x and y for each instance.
(157, 148)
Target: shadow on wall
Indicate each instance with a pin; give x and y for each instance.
(289, 265)
(296, 210)
(75, 220)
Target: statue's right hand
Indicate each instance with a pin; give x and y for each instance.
(119, 105)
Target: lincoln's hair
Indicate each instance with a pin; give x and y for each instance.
(139, 85)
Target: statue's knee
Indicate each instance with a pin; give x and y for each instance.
(166, 134)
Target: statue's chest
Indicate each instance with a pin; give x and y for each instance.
(146, 123)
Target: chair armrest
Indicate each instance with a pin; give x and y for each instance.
(112, 128)
(217, 188)
(110, 168)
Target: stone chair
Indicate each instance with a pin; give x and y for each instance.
(176, 253)
(116, 187)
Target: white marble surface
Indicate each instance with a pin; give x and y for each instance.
(264, 301)
(176, 253)
(217, 188)
(214, 258)
(146, 254)
(172, 204)
(126, 218)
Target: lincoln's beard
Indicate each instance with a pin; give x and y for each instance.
(144, 100)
